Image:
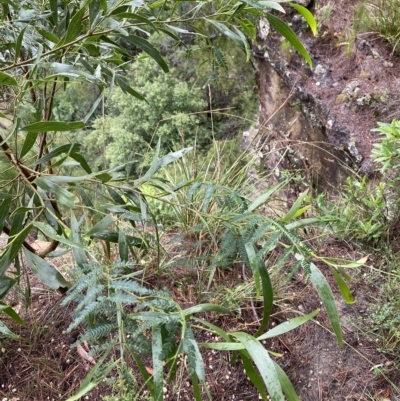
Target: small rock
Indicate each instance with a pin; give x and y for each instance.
(351, 146)
(319, 70)
(263, 29)
(364, 100)
(388, 64)
(351, 88)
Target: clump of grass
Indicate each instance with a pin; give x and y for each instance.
(382, 17)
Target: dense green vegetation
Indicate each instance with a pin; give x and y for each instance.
(117, 141)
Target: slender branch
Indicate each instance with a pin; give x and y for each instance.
(55, 49)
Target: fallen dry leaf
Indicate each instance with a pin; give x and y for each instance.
(150, 370)
(85, 355)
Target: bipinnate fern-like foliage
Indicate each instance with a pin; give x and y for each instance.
(115, 311)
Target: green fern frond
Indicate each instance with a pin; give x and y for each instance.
(220, 59)
(129, 286)
(97, 332)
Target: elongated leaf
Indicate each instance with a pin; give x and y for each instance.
(157, 351)
(143, 371)
(288, 33)
(49, 231)
(45, 272)
(149, 49)
(94, 377)
(30, 140)
(123, 246)
(264, 364)
(128, 89)
(101, 225)
(69, 71)
(54, 12)
(11, 312)
(266, 196)
(7, 80)
(273, 5)
(15, 245)
(248, 28)
(307, 16)
(5, 331)
(217, 330)
(226, 31)
(295, 207)
(253, 375)
(47, 35)
(74, 27)
(286, 384)
(303, 223)
(324, 290)
(79, 254)
(18, 45)
(268, 296)
(63, 196)
(46, 126)
(196, 387)
(75, 147)
(4, 208)
(343, 287)
(205, 308)
(288, 326)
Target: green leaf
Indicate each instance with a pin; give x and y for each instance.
(288, 33)
(145, 374)
(126, 88)
(226, 31)
(7, 332)
(344, 289)
(295, 207)
(79, 254)
(94, 377)
(7, 80)
(272, 4)
(205, 308)
(18, 45)
(303, 223)
(101, 225)
(15, 244)
(4, 210)
(157, 351)
(248, 28)
(264, 364)
(268, 296)
(11, 312)
(74, 147)
(149, 49)
(63, 196)
(262, 199)
(47, 35)
(307, 16)
(123, 246)
(324, 290)
(30, 140)
(286, 384)
(66, 70)
(289, 325)
(253, 375)
(54, 12)
(74, 28)
(44, 271)
(49, 231)
(46, 126)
